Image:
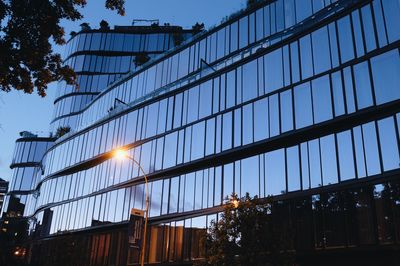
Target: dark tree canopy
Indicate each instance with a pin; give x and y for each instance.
(27, 60)
(248, 233)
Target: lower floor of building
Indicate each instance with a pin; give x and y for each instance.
(354, 224)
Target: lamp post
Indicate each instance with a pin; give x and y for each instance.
(123, 154)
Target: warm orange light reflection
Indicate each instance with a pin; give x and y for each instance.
(120, 154)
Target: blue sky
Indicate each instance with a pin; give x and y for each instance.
(19, 111)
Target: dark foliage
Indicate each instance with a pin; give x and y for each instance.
(247, 234)
(26, 29)
(61, 131)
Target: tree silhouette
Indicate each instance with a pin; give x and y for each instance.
(250, 232)
(26, 29)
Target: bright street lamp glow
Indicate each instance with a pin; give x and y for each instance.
(120, 154)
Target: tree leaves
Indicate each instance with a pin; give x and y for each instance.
(27, 60)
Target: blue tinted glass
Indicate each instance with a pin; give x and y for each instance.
(363, 85)
(306, 57)
(249, 81)
(303, 9)
(391, 9)
(303, 105)
(328, 160)
(380, 24)
(247, 124)
(275, 172)
(348, 85)
(261, 119)
(250, 176)
(273, 70)
(274, 115)
(227, 131)
(359, 151)
(286, 111)
(228, 180)
(358, 33)
(333, 44)
(345, 39)
(295, 64)
(371, 149)
(386, 76)
(337, 90)
(368, 25)
(346, 159)
(293, 168)
(320, 44)
(388, 141)
(321, 99)
(315, 163)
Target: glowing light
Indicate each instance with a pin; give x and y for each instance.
(235, 203)
(120, 154)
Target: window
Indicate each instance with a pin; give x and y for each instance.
(227, 131)
(261, 119)
(274, 120)
(348, 85)
(358, 38)
(275, 172)
(314, 159)
(388, 144)
(337, 90)
(205, 99)
(371, 149)
(303, 106)
(328, 160)
(243, 32)
(359, 151)
(321, 99)
(386, 76)
(293, 168)
(391, 9)
(306, 57)
(250, 80)
(363, 85)
(247, 124)
(250, 176)
(210, 136)
(273, 70)
(345, 39)
(320, 44)
(170, 150)
(368, 25)
(346, 159)
(286, 110)
(198, 140)
(228, 180)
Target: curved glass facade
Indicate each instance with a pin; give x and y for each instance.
(21, 197)
(99, 57)
(295, 101)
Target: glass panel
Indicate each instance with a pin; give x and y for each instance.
(293, 168)
(250, 176)
(303, 105)
(345, 39)
(275, 172)
(328, 160)
(273, 70)
(371, 149)
(346, 157)
(306, 57)
(386, 76)
(320, 44)
(388, 144)
(321, 99)
(261, 119)
(363, 85)
(286, 111)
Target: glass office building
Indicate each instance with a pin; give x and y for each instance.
(294, 99)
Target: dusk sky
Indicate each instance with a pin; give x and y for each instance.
(19, 112)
